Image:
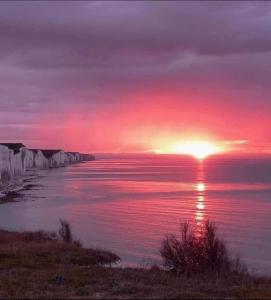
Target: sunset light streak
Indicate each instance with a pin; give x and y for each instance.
(197, 149)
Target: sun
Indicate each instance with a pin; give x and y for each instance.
(198, 149)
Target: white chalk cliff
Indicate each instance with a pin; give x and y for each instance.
(15, 159)
(27, 158)
(5, 164)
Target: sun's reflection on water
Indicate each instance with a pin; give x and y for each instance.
(200, 197)
(200, 187)
(200, 206)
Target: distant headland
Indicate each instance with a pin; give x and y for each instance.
(16, 159)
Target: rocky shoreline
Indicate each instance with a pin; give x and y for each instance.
(16, 159)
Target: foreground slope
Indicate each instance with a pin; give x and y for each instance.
(34, 265)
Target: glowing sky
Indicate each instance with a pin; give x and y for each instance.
(135, 76)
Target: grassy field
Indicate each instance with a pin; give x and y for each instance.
(40, 265)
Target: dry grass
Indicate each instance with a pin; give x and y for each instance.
(39, 265)
(48, 247)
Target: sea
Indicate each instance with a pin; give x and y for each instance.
(129, 203)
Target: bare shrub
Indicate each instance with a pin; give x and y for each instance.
(197, 252)
(65, 232)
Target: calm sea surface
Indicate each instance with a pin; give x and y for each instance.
(128, 204)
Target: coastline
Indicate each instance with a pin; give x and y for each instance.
(16, 160)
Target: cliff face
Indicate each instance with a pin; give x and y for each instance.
(28, 159)
(40, 161)
(15, 159)
(5, 164)
(11, 162)
(57, 159)
(72, 157)
(16, 163)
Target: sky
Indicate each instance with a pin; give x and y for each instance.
(135, 76)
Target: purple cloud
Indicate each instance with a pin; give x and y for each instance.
(92, 56)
